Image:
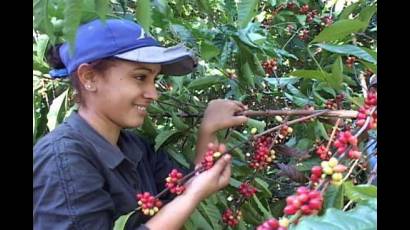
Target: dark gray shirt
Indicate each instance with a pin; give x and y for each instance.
(81, 181)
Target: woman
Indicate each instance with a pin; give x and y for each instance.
(88, 170)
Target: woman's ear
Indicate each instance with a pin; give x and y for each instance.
(87, 77)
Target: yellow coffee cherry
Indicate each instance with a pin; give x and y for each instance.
(324, 164)
(217, 154)
(145, 211)
(284, 222)
(327, 170)
(278, 118)
(337, 176)
(254, 130)
(290, 130)
(333, 162)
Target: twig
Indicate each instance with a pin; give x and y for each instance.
(290, 123)
(333, 134)
(302, 112)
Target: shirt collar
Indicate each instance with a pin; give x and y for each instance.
(111, 155)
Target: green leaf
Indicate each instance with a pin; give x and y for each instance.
(349, 50)
(204, 4)
(306, 166)
(149, 128)
(320, 130)
(143, 13)
(245, 72)
(41, 47)
(72, 19)
(179, 123)
(211, 213)
(304, 144)
(372, 67)
(55, 114)
(262, 208)
(199, 221)
(226, 53)
(205, 82)
(310, 74)
(282, 52)
(101, 7)
(208, 50)
(339, 30)
(348, 10)
(333, 197)
(256, 38)
(336, 78)
(301, 19)
(263, 186)
(234, 182)
(122, 221)
(178, 157)
(40, 14)
(182, 33)
(247, 9)
(363, 217)
(163, 137)
(367, 13)
(282, 82)
(253, 123)
(360, 192)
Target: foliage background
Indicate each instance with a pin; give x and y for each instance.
(235, 35)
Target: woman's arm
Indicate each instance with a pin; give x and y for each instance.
(175, 213)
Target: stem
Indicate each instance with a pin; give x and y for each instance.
(287, 42)
(333, 133)
(290, 123)
(314, 59)
(351, 169)
(300, 112)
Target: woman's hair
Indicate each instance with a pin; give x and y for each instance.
(100, 66)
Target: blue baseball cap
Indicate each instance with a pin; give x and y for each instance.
(123, 39)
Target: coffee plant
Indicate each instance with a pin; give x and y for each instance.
(306, 159)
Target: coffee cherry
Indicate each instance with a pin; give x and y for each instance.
(271, 224)
(171, 182)
(230, 218)
(247, 190)
(148, 203)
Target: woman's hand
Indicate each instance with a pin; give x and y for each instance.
(208, 182)
(220, 114)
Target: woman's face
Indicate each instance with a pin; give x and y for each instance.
(125, 91)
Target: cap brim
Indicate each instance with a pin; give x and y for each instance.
(176, 60)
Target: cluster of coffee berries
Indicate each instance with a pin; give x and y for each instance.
(172, 184)
(310, 16)
(308, 201)
(316, 173)
(344, 139)
(269, 66)
(247, 190)
(284, 132)
(327, 21)
(323, 153)
(273, 224)
(331, 104)
(148, 203)
(290, 5)
(334, 169)
(231, 73)
(213, 153)
(369, 103)
(304, 9)
(350, 61)
(289, 29)
(262, 155)
(303, 34)
(230, 218)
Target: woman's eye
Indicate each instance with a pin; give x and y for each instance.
(140, 78)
